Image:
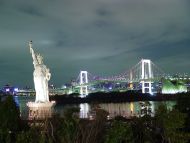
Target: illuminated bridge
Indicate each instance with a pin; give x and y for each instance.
(145, 73)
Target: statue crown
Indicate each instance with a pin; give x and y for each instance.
(39, 58)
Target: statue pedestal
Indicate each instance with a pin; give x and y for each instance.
(38, 111)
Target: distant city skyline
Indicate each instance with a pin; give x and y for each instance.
(104, 37)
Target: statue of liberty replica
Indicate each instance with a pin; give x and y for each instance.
(41, 76)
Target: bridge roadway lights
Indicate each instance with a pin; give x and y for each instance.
(142, 73)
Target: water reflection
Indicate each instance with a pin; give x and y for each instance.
(84, 110)
(120, 109)
(127, 109)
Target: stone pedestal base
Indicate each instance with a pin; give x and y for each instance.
(38, 111)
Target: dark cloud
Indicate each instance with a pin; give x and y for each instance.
(102, 36)
(31, 10)
(103, 12)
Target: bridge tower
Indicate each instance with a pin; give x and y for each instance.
(83, 81)
(146, 76)
(130, 79)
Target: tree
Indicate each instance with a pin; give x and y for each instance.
(170, 125)
(32, 135)
(183, 105)
(68, 127)
(143, 129)
(93, 131)
(120, 132)
(10, 122)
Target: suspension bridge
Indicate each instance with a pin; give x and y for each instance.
(145, 73)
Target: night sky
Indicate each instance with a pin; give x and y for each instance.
(104, 37)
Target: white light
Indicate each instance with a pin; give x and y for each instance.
(7, 90)
(16, 89)
(64, 86)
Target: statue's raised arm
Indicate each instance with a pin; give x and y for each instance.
(34, 56)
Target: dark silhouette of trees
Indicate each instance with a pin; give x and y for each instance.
(119, 132)
(10, 122)
(170, 125)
